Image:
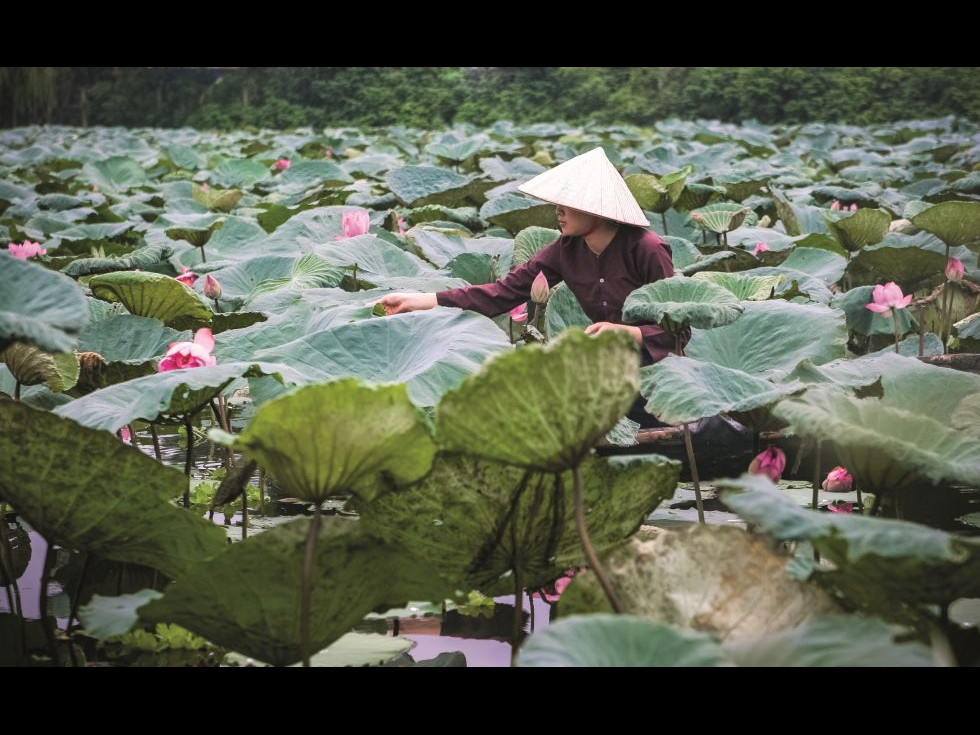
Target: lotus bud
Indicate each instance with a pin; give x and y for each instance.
(539, 288)
(835, 207)
(854, 207)
(212, 289)
(838, 480)
(760, 247)
(770, 463)
(955, 269)
(519, 313)
(283, 163)
(187, 276)
(840, 506)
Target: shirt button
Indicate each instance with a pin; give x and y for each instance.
(602, 280)
(604, 303)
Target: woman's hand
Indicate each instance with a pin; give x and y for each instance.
(399, 303)
(600, 327)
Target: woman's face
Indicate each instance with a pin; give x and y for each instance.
(574, 222)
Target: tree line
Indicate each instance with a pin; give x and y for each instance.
(434, 97)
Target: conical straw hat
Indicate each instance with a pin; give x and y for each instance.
(589, 183)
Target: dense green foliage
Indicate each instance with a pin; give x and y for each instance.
(434, 97)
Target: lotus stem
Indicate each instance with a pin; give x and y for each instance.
(262, 491)
(896, 331)
(859, 501)
(816, 487)
(217, 307)
(590, 554)
(73, 613)
(204, 258)
(156, 442)
(17, 391)
(663, 218)
(6, 554)
(530, 601)
(518, 623)
(922, 330)
(307, 591)
(189, 458)
(245, 511)
(354, 276)
(694, 472)
(49, 554)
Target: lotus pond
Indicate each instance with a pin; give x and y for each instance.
(187, 325)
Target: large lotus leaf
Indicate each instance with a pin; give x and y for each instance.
(104, 617)
(744, 287)
(887, 449)
(706, 262)
(679, 301)
(374, 257)
(115, 174)
(968, 328)
(151, 295)
(713, 579)
(749, 237)
(517, 168)
(863, 227)
(456, 151)
(86, 490)
(38, 306)
(31, 366)
(773, 337)
(248, 599)
(832, 641)
(338, 438)
(681, 389)
(864, 321)
(439, 248)
(140, 258)
(967, 415)
(516, 213)
(917, 387)
(955, 223)
(909, 347)
(658, 195)
(419, 185)
(896, 561)
(304, 175)
(129, 338)
(796, 284)
(252, 277)
(722, 216)
(196, 236)
(618, 641)
(529, 241)
(819, 241)
(215, 199)
(683, 253)
(563, 311)
(186, 157)
(826, 265)
(468, 217)
(165, 395)
(475, 520)
(909, 266)
(495, 412)
(238, 172)
(431, 351)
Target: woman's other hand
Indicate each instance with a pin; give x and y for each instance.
(600, 327)
(399, 303)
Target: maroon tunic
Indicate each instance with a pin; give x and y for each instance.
(601, 283)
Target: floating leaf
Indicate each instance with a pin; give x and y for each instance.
(38, 306)
(116, 174)
(139, 258)
(515, 213)
(339, 438)
(745, 287)
(618, 640)
(151, 295)
(679, 301)
(600, 371)
(416, 186)
(826, 265)
(84, 489)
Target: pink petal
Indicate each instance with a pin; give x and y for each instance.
(204, 338)
(880, 308)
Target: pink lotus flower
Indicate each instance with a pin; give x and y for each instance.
(519, 313)
(888, 297)
(401, 226)
(552, 592)
(840, 506)
(187, 276)
(838, 480)
(854, 207)
(126, 435)
(539, 288)
(770, 463)
(190, 354)
(355, 223)
(835, 207)
(27, 250)
(212, 289)
(205, 187)
(283, 163)
(955, 269)
(760, 247)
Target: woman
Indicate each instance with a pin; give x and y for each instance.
(604, 253)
